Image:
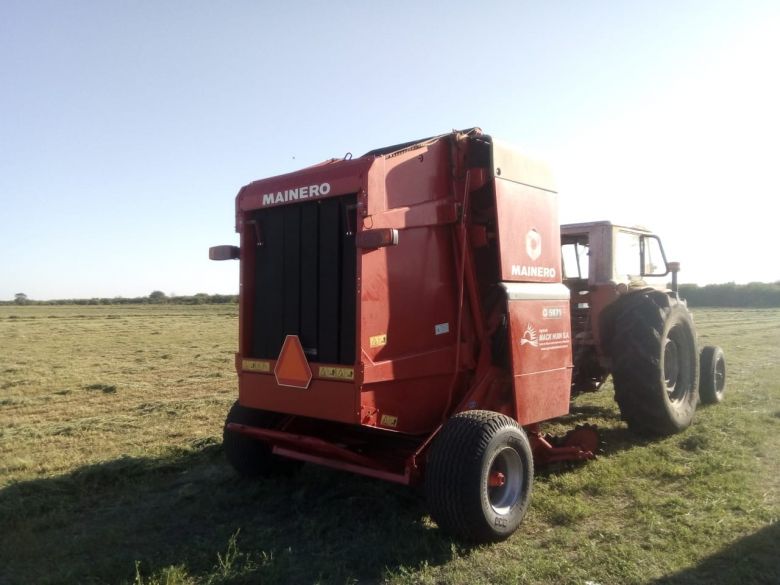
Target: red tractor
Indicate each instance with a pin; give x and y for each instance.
(407, 315)
(626, 323)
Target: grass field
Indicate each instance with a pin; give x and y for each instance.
(111, 471)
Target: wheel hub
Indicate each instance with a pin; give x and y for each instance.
(720, 376)
(496, 479)
(505, 480)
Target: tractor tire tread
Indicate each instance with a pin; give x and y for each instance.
(637, 325)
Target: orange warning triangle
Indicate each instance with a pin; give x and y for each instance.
(292, 369)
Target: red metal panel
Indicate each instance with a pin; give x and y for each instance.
(413, 406)
(406, 298)
(540, 337)
(341, 177)
(528, 232)
(419, 175)
(323, 399)
(409, 178)
(418, 365)
(407, 305)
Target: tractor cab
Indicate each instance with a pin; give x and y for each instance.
(602, 261)
(601, 252)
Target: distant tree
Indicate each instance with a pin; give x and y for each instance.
(157, 296)
(20, 299)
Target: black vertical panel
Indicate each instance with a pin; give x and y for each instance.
(292, 269)
(348, 284)
(262, 275)
(329, 280)
(268, 332)
(309, 278)
(305, 279)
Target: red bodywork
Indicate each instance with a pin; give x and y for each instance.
(456, 292)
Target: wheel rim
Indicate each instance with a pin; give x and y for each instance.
(671, 365)
(507, 469)
(679, 363)
(720, 376)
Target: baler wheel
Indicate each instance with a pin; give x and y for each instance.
(655, 362)
(712, 381)
(479, 476)
(251, 457)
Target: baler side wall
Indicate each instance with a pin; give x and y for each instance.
(540, 341)
(408, 292)
(528, 232)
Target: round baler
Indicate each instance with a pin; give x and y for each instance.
(407, 315)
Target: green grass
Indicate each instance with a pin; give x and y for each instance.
(111, 471)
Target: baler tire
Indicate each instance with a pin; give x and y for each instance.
(655, 362)
(252, 457)
(472, 447)
(712, 375)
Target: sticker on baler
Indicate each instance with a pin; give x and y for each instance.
(378, 340)
(336, 373)
(441, 328)
(544, 339)
(388, 421)
(529, 336)
(256, 366)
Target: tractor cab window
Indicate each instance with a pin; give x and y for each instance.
(653, 259)
(575, 259)
(627, 255)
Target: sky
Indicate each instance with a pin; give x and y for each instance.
(127, 128)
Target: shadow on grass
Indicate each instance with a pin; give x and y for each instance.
(92, 525)
(753, 559)
(582, 412)
(612, 439)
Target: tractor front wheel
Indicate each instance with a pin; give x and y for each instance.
(251, 457)
(712, 381)
(479, 476)
(655, 362)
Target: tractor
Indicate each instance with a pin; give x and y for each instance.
(626, 323)
(416, 313)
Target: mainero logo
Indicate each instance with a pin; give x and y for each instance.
(288, 195)
(538, 271)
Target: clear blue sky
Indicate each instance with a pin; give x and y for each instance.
(126, 128)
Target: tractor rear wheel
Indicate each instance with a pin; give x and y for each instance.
(712, 381)
(655, 362)
(479, 476)
(251, 457)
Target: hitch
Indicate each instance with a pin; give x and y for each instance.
(580, 444)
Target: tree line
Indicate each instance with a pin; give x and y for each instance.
(155, 297)
(755, 294)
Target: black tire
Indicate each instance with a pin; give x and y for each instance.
(712, 375)
(655, 362)
(473, 446)
(251, 457)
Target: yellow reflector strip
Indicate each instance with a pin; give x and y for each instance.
(388, 421)
(336, 373)
(256, 366)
